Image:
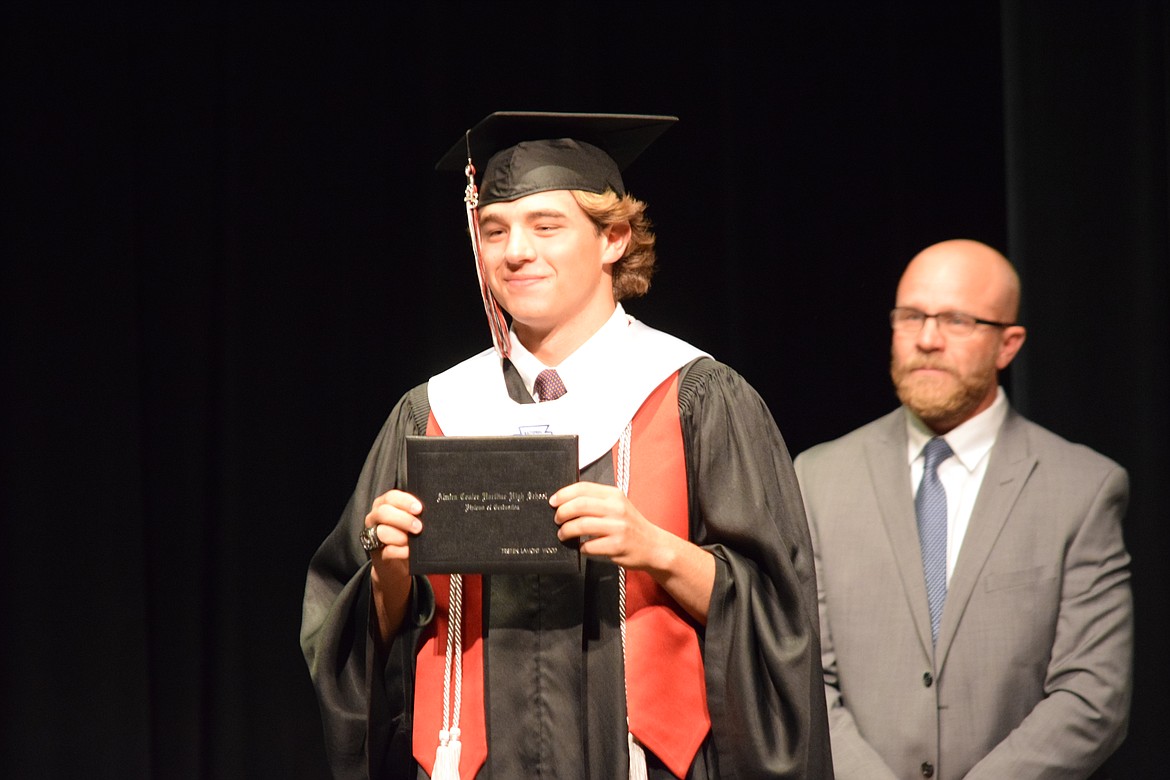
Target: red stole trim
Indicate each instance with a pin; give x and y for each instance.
(666, 686)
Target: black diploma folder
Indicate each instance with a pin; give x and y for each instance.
(485, 503)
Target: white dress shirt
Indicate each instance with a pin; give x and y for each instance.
(592, 356)
(961, 474)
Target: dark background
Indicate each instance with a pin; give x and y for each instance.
(226, 255)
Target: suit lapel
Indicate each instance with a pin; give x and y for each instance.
(889, 470)
(1007, 472)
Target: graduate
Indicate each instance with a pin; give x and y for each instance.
(687, 645)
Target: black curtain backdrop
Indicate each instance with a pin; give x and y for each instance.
(1087, 110)
(226, 254)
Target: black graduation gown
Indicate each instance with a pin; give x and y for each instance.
(555, 704)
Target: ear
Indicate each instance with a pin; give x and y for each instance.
(617, 239)
(1010, 343)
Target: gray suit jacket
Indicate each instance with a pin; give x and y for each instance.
(1032, 674)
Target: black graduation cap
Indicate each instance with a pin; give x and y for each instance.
(536, 151)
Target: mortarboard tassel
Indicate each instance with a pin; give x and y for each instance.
(499, 327)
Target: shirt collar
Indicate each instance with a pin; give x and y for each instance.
(970, 441)
(590, 356)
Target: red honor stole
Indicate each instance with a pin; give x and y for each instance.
(666, 689)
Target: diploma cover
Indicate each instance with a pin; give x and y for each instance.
(485, 503)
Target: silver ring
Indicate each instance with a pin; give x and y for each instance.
(369, 539)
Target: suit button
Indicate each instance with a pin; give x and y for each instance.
(928, 679)
(927, 769)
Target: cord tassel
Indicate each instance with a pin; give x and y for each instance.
(637, 759)
(447, 755)
(637, 754)
(450, 749)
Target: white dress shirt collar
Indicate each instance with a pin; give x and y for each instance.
(970, 441)
(592, 356)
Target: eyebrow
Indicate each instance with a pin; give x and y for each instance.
(531, 216)
(528, 216)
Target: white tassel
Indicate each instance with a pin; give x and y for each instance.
(637, 759)
(637, 755)
(450, 748)
(447, 756)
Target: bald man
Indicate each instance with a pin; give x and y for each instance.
(973, 584)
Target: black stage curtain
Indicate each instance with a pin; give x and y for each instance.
(226, 254)
(1086, 88)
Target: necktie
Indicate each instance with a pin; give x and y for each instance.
(931, 507)
(548, 385)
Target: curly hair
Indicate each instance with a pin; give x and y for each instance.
(631, 274)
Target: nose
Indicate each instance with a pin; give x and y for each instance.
(519, 247)
(930, 338)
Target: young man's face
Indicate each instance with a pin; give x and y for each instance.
(547, 264)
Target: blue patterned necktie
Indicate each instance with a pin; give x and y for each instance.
(931, 507)
(548, 385)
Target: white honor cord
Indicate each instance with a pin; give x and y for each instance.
(637, 755)
(450, 748)
(447, 755)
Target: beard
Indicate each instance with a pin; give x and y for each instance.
(942, 402)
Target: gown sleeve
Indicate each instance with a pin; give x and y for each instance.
(765, 689)
(362, 698)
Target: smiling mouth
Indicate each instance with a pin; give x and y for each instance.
(523, 281)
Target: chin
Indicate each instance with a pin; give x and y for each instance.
(532, 322)
(921, 391)
(941, 411)
(938, 418)
(930, 402)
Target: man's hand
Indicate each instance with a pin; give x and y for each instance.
(610, 526)
(394, 515)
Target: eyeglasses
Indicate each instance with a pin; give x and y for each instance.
(952, 323)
